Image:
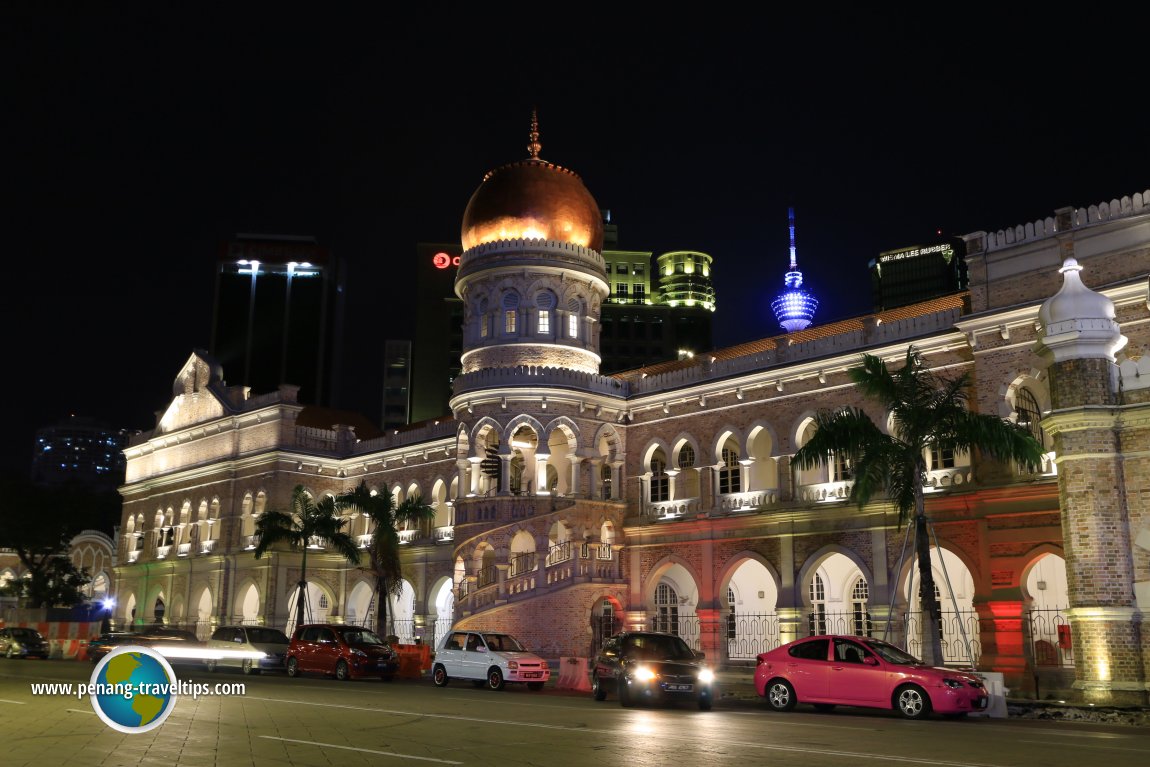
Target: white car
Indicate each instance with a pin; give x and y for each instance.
(487, 657)
(264, 647)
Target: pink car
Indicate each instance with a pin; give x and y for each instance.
(829, 671)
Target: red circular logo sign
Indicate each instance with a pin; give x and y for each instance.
(441, 260)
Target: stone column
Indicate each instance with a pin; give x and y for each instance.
(463, 467)
(671, 475)
(541, 473)
(505, 474)
(616, 480)
(474, 480)
(784, 478)
(576, 488)
(1078, 341)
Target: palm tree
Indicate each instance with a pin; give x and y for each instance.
(383, 552)
(307, 523)
(928, 411)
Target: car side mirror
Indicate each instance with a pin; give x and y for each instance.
(870, 660)
(700, 655)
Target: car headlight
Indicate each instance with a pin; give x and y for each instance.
(512, 665)
(706, 676)
(953, 684)
(644, 674)
(360, 653)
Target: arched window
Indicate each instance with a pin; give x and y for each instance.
(1029, 417)
(817, 620)
(730, 474)
(860, 618)
(484, 319)
(659, 479)
(544, 304)
(666, 609)
(686, 457)
(510, 312)
(573, 310)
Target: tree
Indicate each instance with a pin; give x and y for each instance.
(383, 553)
(307, 522)
(928, 411)
(38, 525)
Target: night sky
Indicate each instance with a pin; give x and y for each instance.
(138, 141)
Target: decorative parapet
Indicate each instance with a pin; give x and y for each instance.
(854, 335)
(428, 432)
(539, 376)
(1064, 220)
(514, 251)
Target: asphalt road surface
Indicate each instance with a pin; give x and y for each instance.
(318, 721)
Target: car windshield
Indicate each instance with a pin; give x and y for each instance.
(647, 647)
(362, 636)
(892, 654)
(503, 643)
(268, 636)
(26, 634)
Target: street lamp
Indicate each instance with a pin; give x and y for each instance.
(107, 604)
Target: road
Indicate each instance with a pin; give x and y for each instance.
(319, 721)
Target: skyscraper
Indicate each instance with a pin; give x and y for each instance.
(278, 315)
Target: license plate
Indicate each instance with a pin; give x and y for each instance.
(531, 674)
(679, 687)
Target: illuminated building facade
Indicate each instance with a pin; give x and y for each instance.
(641, 323)
(795, 307)
(918, 273)
(665, 496)
(278, 315)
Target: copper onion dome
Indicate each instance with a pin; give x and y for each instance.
(532, 199)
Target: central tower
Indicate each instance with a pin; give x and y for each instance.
(531, 277)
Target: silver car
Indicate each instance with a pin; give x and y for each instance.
(16, 642)
(487, 657)
(236, 641)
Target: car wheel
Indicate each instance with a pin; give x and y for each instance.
(780, 695)
(11, 654)
(292, 667)
(624, 693)
(597, 688)
(535, 686)
(248, 667)
(824, 708)
(495, 679)
(912, 702)
(439, 675)
(210, 665)
(342, 672)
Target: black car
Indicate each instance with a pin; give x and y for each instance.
(16, 642)
(651, 666)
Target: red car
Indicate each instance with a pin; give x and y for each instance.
(829, 671)
(346, 652)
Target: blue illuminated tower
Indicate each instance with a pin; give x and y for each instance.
(795, 307)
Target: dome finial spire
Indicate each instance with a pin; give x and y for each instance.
(534, 146)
